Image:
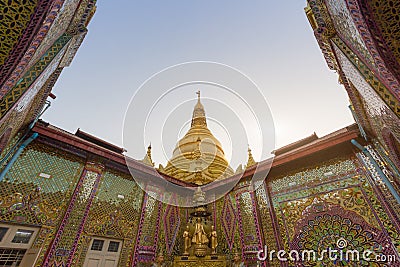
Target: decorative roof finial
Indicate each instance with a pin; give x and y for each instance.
(250, 159)
(147, 158)
(199, 115)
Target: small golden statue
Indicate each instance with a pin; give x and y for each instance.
(200, 236)
(188, 243)
(214, 243)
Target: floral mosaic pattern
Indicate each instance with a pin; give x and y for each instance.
(228, 220)
(341, 231)
(346, 27)
(37, 188)
(172, 222)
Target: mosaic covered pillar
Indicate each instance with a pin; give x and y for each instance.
(31, 14)
(381, 41)
(385, 35)
(352, 29)
(172, 222)
(228, 221)
(249, 228)
(67, 239)
(149, 226)
(268, 223)
(390, 204)
(32, 74)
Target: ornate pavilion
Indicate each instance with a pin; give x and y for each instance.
(70, 199)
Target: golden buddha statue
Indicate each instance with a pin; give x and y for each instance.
(214, 243)
(199, 236)
(188, 243)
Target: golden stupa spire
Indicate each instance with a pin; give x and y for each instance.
(192, 164)
(199, 115)
(250, 159)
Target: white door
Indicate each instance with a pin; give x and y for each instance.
(93, 262)
(110, 263)
(103, 253)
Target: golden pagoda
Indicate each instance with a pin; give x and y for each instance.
(198, 157)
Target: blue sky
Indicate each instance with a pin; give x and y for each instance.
(269, 41)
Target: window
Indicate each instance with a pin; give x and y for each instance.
(11, 257)
(22, 236)
(113, 246)
(3, 231)
(15, 241)
(97, 245)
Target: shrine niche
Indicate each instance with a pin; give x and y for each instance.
(200, 237)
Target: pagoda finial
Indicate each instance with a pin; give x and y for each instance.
(250, 159)
(147, 158)
(199, 115)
